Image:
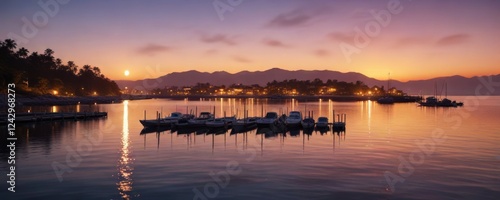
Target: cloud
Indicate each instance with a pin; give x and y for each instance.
(321, 52)
(218, 38)
(289, 19)
(241, 59)
(152, 49)
(453, 39)
(297, 17)
(341, 36)
(413, 41)
(274, 43)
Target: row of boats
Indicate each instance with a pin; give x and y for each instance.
(177, 120)
(435, 102)
(429, 102)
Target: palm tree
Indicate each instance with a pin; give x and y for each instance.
(96, 71)
(72, 66)
(9, 44)
(48, 52)
(22, 52)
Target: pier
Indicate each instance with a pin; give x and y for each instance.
(36, 117)
(340, 123)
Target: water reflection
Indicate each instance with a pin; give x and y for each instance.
(124, 164)
(158, 131)
(262, 134)
(54, 109)
(338, 136)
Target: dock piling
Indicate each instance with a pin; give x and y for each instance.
(333, 116)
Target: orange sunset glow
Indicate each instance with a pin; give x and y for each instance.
(409, 39)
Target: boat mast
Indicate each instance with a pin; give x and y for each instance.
(445, 90)
(388, 81)
(435, 89)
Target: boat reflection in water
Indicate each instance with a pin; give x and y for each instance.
(294, 132)
(338, 136)
(322, 130)
(125, 170)
(154, 130)
(260, 133)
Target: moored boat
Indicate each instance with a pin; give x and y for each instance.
(220, 122)
(195, 122)
(339, 125)
(250, 121)
(434, 102)
(307, 123)
(293, 119)
(322, 122)
(270, 118)
(200, 120)
(386, 100)
(244, 125)
(162, 122)
(429, 102)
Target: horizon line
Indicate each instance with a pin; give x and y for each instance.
(277, 68)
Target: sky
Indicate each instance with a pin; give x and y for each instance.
(407, 39)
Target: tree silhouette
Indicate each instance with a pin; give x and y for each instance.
(42, 73)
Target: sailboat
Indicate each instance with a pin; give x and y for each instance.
(433, 101)
(386, 99)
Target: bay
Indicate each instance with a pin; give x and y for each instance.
(398, 151)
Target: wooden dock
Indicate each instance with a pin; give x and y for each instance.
(36, 117)
(339, 124)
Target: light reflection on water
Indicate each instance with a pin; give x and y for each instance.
(124, 165)
(315, 165)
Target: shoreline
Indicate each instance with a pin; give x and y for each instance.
(50, 100)
(338, 98)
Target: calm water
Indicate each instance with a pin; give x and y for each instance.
(387, 152)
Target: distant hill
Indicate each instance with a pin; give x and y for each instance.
(457, 85)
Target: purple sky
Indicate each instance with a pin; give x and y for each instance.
(422, 39)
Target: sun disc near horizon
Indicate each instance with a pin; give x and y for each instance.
(126, 72)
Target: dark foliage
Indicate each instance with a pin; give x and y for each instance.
(37, 73)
